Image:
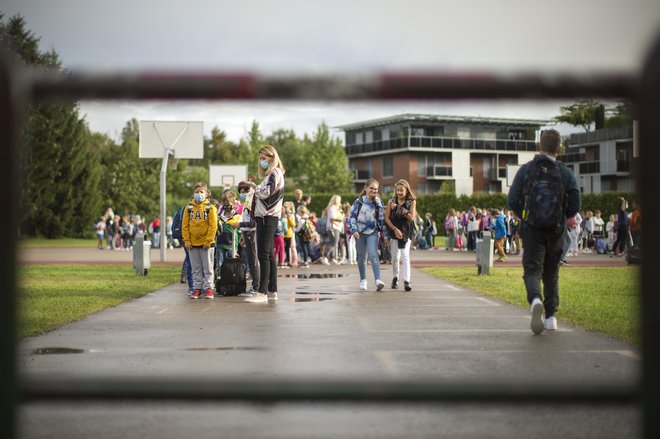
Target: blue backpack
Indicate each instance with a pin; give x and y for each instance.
(177, 224)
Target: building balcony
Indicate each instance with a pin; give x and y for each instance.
(589, 168)
(601, 135)
(360, 175)
(439, 172)
(446, 143)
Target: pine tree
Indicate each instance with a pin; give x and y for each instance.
(61, 193)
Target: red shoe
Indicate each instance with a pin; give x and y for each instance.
(196, 294)
(209, 294)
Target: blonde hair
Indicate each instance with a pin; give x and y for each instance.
(335, 200)
(270, 151)
(409, 193)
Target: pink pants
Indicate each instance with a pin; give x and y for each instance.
(278, 244)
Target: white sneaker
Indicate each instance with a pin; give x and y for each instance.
(537, 311)
(257, 298)
(550, 323)
(363, 284)
(325, 261)
(379, 285)
(249, 293)
(272, 297)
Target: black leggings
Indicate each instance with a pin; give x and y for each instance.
(266, 227)
(621, 239)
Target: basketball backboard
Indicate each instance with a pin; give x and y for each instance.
(186, 139)
(227, 176)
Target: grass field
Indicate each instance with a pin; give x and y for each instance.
(62, 242)
(51, 295)
(602, 299)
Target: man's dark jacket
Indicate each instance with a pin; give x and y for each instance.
(517, 200)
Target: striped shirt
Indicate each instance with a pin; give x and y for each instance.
(269, 195)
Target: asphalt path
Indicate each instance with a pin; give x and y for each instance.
(324, 327)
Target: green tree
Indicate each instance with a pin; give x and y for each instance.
(60, 188)
(583, 113)
(327, 164)
(620, 115)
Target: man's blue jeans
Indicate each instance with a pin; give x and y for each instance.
(367, 246)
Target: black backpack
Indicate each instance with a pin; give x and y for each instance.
(545, 195)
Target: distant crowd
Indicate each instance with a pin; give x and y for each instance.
(114, 232)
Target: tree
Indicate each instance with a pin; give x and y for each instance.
(60, 188)
(583, 113)
(620, 115)
(327, 164)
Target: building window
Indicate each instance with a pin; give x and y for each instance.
(388, 166)
(368, 137)
(421, 165)
(359, 138)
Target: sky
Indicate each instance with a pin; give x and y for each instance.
(339, 36)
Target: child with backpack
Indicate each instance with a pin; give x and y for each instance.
(366, 223)
(228, 234)
(451, 224)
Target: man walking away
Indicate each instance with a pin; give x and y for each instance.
(546, 197)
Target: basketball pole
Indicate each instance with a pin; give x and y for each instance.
(163, 190)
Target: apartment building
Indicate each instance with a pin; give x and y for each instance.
(431, 150)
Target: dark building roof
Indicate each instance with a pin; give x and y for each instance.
(431, 118)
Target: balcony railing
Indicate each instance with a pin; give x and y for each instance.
(590, 168)
(439, 171)
(623, 166)
(441, 143)
(602, 135)
(360, 174)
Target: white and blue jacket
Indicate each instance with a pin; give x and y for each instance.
(367, 216)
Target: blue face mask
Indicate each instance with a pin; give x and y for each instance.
(243, 197)
(199, 197)
(264, 164)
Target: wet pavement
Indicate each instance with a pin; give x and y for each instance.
(324, 327)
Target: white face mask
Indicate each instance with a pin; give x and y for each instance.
(199, 197)
(264, 164)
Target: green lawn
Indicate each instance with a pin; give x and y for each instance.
(51, 295)
(602, 299)
(60, 242)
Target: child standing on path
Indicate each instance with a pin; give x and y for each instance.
(248, 227)
(200, 224)
(228, 236)
(399, 216)
(366, 221)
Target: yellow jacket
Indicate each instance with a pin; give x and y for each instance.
(200, 223)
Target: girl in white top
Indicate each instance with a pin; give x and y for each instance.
(335, 223)
(574, 233)
(268, 198)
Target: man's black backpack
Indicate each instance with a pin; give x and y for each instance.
(545, 195)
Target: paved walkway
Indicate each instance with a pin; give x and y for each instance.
(324, 327)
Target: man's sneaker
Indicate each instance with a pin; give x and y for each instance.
(196, 294)
(537, 311)
(363, 284)
(257, 298)
(247, 293)
(406, 286)
(379, 285)
(550, 323)
(563, 263)
(190, 293)
(272, 297)
(209, 294)
(395, 283)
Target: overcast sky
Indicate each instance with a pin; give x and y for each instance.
(307, 36)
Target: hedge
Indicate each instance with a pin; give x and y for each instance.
(439, 204)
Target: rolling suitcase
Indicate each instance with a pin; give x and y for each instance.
(232, 275)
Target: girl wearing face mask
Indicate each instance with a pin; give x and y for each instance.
(199, 226)
(268, 197)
